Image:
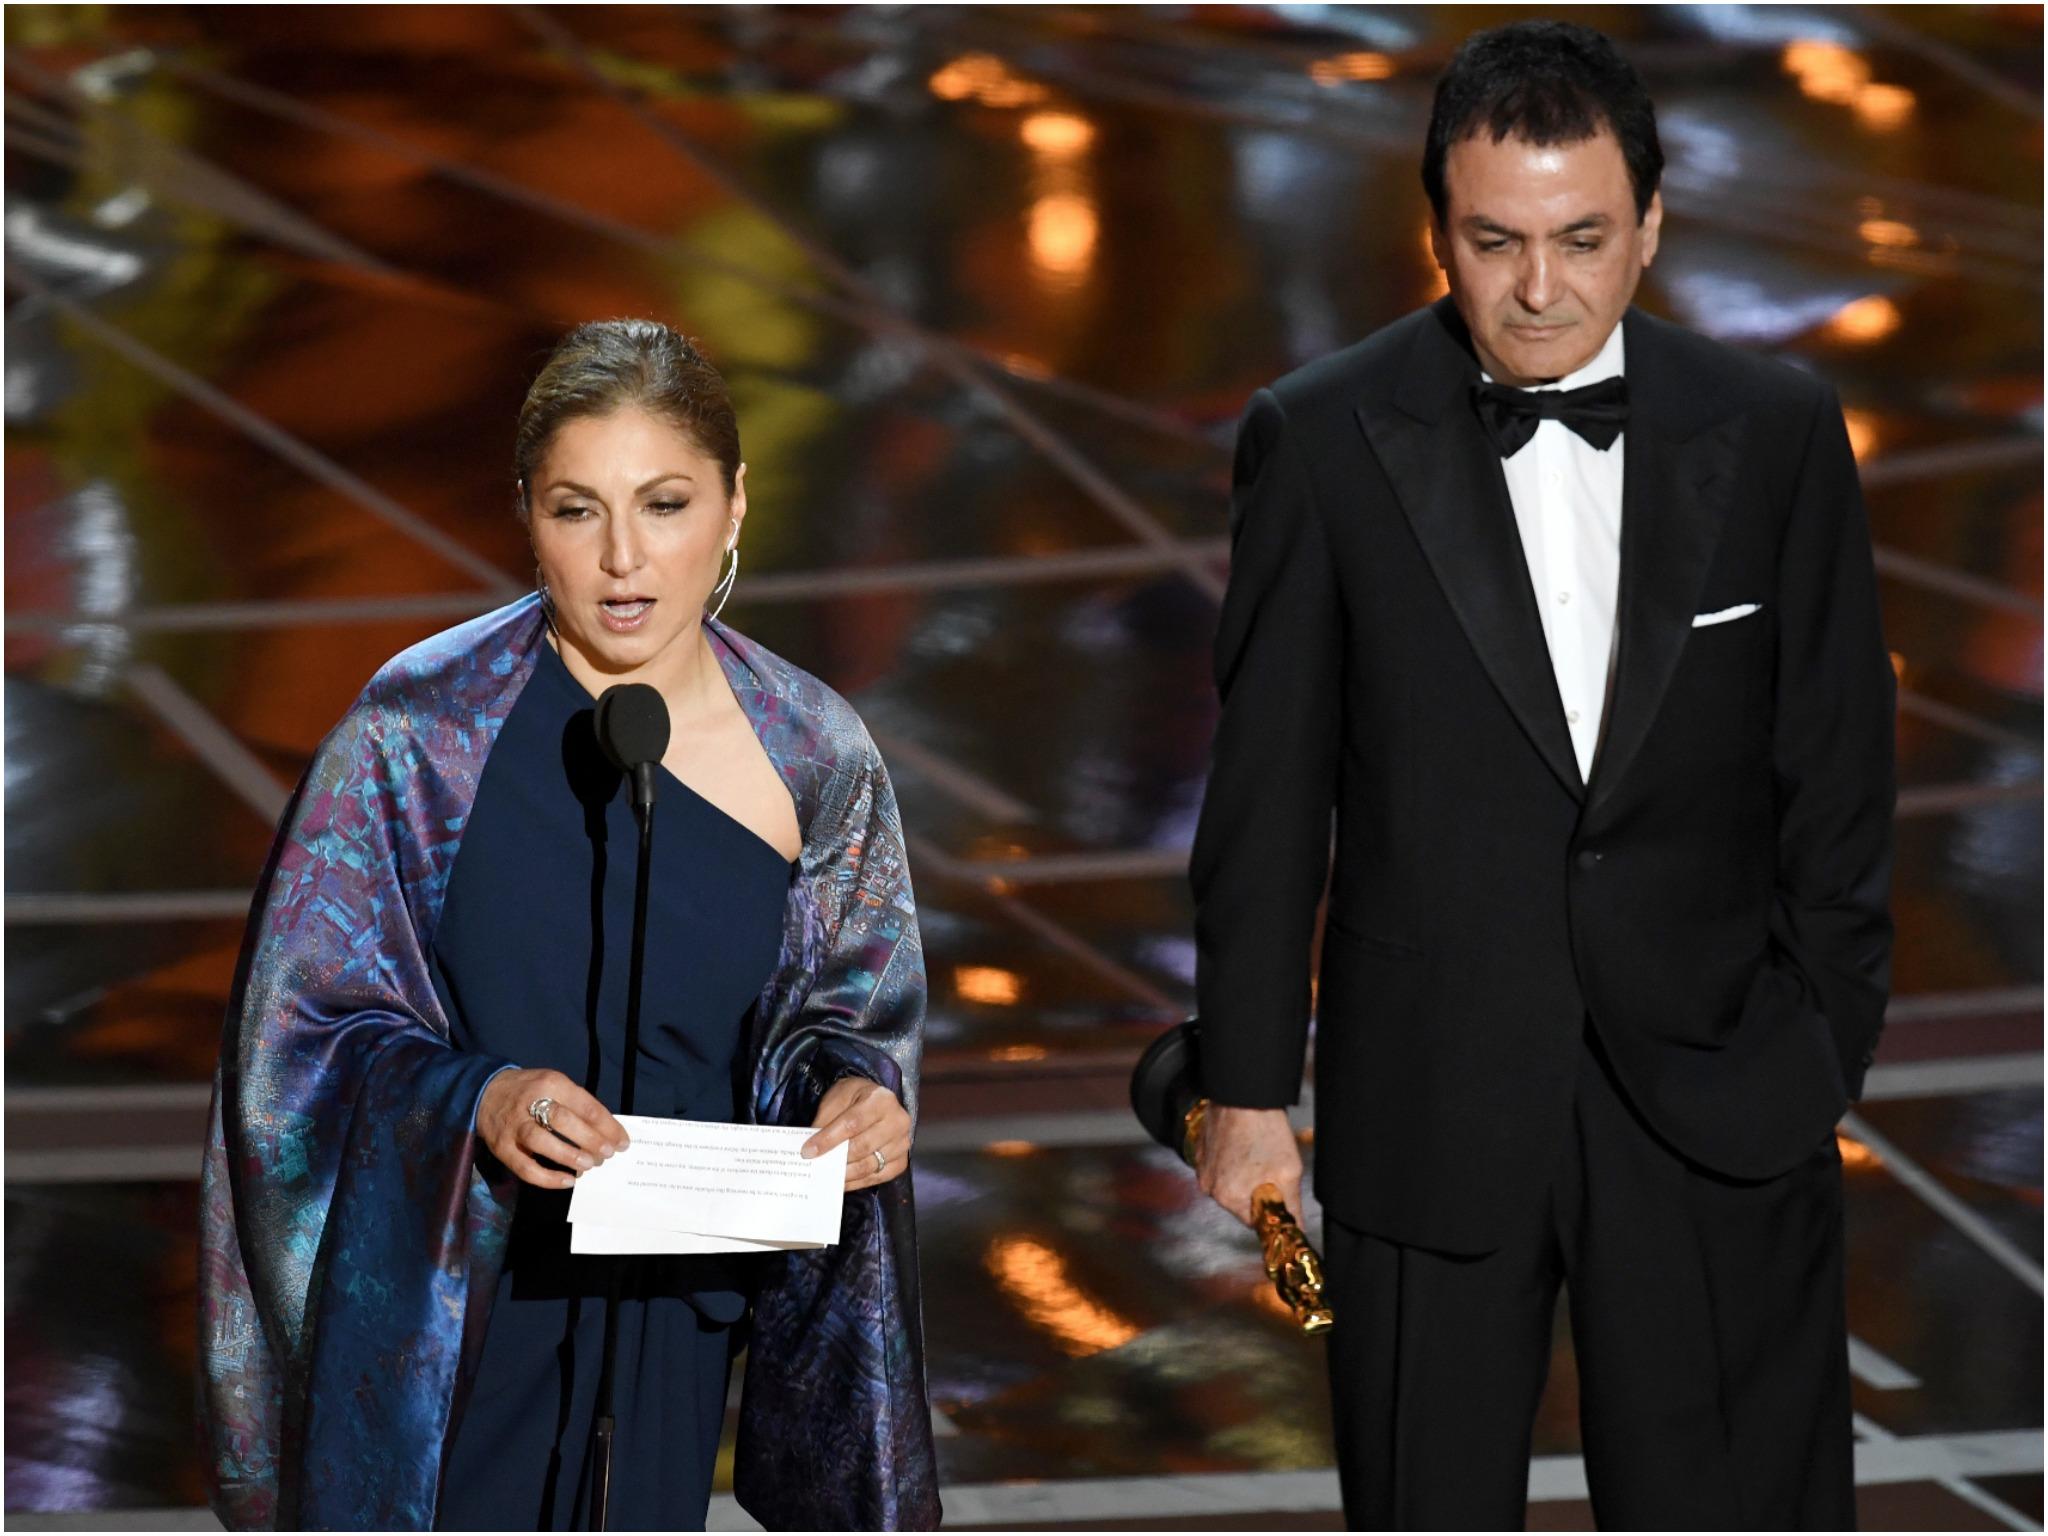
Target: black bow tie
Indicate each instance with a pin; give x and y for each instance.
(1510, 416)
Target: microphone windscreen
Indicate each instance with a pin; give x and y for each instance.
(632, 725)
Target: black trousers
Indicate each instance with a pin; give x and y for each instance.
(1707, 1316)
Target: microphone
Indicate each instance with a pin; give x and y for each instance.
(632, 732)
(631, 722)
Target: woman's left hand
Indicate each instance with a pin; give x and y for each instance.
(870, 1119)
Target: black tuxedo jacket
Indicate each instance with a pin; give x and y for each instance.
(1715, 900)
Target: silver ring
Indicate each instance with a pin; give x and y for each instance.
(540, 1109)
(881, 1161)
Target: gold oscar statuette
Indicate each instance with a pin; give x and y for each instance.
(1292, 1263)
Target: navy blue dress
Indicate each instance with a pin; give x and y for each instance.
(530, 963)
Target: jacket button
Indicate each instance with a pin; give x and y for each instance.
(1588, 858)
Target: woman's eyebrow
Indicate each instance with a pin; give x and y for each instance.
(571, 485)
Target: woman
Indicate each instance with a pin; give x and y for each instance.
(425, 1040)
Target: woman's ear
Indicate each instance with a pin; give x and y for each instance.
(739, 500)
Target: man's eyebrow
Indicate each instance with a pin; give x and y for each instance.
(1591, 221)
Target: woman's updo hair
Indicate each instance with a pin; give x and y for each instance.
(603, 365)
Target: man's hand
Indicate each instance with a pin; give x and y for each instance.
(1244, 1148)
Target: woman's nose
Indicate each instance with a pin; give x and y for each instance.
(621, 549)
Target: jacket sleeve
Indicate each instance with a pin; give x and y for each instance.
(1262, 848)
(1834, 743)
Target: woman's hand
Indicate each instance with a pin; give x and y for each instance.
(870, 1119)
(580, 1132)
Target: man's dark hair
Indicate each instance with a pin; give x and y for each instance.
(1548, 82)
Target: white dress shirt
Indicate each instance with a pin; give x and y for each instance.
(1567, 500)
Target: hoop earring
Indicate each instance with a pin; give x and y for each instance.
(547, 598)
(724, 588)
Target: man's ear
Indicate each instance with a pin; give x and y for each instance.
(1653, 224)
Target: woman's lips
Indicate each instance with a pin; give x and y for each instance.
(622, 618)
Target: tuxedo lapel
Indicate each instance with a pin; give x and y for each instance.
(1682, 448)
(1448, 479)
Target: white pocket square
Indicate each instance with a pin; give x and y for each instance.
(1722, 616)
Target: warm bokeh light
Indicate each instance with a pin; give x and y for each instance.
(1884, 106)
(1060, 134)
(1018, 1052)
(1832, 73)
(1855, 1155)
(1026, 367)
(1062, 232)
(1888, 232)
(987, 984)
(955, 79)
(1911, 259)
(1035, 1277)
(1864, 320)
(1862, 427)
(984, 78)
(1439, 284)
(1266, 1299)
(1827, 71)
(1010, 1148)
(1350, 66)
(1898, 667)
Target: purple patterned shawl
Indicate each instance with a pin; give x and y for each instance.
(349, 1246)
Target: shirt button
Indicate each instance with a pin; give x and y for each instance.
(1572, 715)
(1564, 597)
(1588, 858)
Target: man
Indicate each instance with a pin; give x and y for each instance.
(1570, 616)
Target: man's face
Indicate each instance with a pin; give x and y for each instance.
(1542, 250)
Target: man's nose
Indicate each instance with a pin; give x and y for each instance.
(1537, 286)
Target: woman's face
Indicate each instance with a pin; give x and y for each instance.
(630, 524)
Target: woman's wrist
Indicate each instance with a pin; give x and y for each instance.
(495, 1082)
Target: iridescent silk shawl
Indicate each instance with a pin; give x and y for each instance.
(349, 1245)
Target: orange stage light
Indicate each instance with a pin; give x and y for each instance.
(987, 984)
(1864, 320)
(1035, 1276)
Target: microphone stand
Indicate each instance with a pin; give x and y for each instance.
(607, 1424)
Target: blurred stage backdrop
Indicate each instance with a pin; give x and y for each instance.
(991, 287)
